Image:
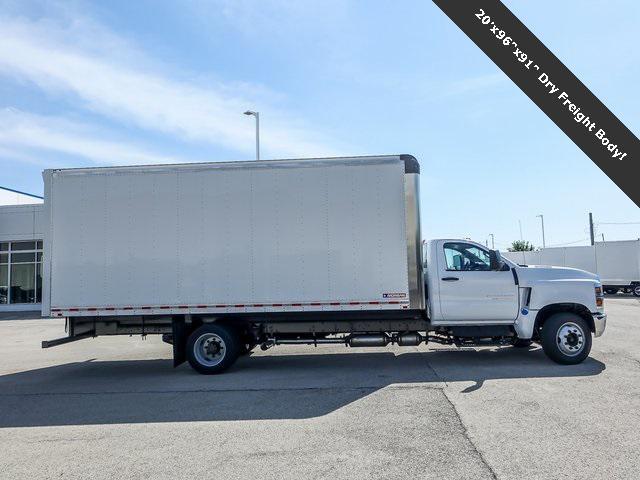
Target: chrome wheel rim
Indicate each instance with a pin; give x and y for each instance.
(636, 290)
(570, 339)
(209, 349)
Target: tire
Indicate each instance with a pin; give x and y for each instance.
(636, 290)
(212, 348)
(610, 291)
(522, 343)
(566, 338)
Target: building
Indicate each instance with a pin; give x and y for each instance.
(21, 234)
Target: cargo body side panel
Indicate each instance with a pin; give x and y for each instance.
(618, 262)
(309, 235)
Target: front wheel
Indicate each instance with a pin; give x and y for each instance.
(566, 338)
(636, 290)
(212, 348)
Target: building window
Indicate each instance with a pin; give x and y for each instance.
(4, 283)
(21, 272)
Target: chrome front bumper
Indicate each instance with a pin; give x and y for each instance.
(600, 323)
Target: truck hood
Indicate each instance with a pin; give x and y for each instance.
(536, 273)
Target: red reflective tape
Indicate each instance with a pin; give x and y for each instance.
(237, 305)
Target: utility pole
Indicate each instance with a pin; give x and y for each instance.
(542, 221)
(493, 244)
(591, 232)
(520, 225)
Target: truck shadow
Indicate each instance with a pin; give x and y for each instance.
(258, 387)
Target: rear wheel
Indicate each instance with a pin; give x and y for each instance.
(636, 290)
(212, 348)
(610, 291)
(566, 338)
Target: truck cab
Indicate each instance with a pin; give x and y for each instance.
(473, 292)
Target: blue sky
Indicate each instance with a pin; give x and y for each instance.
(122, 82)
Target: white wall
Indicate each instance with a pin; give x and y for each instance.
(617, 262)
(21, 222)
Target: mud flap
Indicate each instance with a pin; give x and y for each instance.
(179, 330)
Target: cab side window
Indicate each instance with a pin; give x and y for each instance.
(465, 257)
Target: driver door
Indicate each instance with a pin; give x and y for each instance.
(469, 289)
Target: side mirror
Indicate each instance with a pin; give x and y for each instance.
(495, 260)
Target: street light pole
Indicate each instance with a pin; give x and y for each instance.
(257, 115)
(542, 221)
(493, 244)
(520, 225)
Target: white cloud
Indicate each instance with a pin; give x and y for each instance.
(21, 134)
(123, 85)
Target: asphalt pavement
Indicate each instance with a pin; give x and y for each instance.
(116, 408)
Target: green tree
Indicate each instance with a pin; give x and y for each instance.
(521, 246)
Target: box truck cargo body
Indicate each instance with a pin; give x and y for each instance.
(325, 235)
(617, 263)
(222, 257)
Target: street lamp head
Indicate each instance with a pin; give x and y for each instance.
(249, 112)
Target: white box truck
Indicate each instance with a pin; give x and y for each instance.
(617, 263)
(222, 257)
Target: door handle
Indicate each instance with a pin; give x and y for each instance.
(450, 279)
